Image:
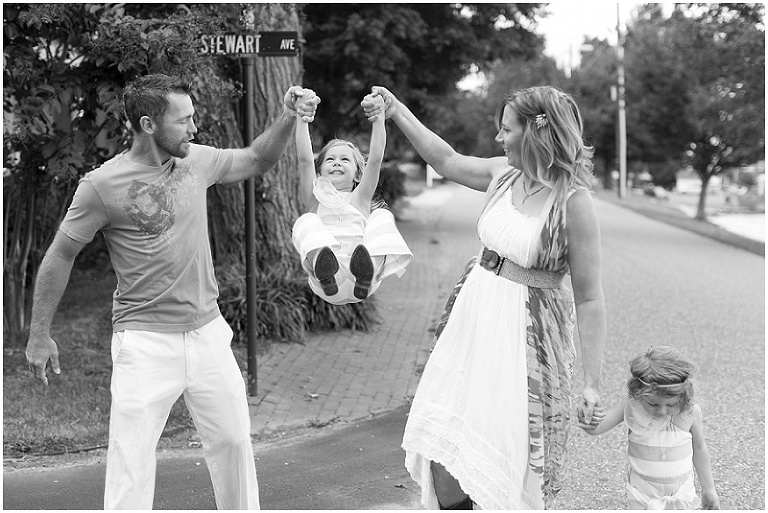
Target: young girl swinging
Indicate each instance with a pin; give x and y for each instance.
(347, 246)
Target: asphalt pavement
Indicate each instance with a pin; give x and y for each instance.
(663, 284)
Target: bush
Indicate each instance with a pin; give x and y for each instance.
(286, 308)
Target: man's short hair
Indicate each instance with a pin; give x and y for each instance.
(148, 96)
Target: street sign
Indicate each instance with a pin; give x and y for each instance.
(279, 43)
(265, 44)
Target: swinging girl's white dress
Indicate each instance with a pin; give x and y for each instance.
(341, 226)
(470, 412)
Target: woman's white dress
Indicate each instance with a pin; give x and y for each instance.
(470, 412)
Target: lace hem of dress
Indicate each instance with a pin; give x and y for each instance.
(426, 439)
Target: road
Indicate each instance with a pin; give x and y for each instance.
(667, 286)
(663, 286)
(357, 466)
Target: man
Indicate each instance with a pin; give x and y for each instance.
(169, 337)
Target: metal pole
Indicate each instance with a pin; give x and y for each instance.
(250, 233)
(622, 114)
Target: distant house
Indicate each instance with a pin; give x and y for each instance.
(688, 182)
(745, 186)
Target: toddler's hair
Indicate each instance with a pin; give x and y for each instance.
(377, 201)
(356, 154)
(662, 371)
(552, 146)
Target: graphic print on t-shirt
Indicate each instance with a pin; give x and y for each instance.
(152, 207)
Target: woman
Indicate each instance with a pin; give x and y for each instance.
(491, 416)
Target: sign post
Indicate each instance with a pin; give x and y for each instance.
(247, 46)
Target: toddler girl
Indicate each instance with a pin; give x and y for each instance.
(665, 434)
(345, 247)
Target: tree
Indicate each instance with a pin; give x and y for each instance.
(591, 83)
(65, 65)
(727, 105)
(696, 86)
(420, 51)
(656, 82)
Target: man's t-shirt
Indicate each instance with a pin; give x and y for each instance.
(154, 220)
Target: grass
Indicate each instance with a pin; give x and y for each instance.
(72, 413)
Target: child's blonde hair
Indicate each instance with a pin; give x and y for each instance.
(356, 154)
(377, 201)
(552, 147)
(662, 371)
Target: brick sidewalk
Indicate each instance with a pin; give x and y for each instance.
(345, 376)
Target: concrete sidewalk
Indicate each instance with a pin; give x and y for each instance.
(738, 229)
(343, 376)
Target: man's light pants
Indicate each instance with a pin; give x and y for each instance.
(150, 371)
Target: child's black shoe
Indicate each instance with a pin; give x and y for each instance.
(326, 267)
(361, 267)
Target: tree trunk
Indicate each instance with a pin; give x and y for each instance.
(277, 205)
(701, 213)
(227, 224)
(18, 241)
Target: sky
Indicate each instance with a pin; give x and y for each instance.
(567, 25)
(569, 22)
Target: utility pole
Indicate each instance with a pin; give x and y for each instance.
(622, 121)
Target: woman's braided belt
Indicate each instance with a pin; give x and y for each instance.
(506, 268)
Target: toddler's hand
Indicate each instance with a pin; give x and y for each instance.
(373, 106)
(709, 500)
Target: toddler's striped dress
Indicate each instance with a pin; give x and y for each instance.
(660, 462)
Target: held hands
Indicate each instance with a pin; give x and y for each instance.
(590, 410)
(598, 414)
(372, 109)
(39, 350)
(302, 102)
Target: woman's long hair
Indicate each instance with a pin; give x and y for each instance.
(552, 147)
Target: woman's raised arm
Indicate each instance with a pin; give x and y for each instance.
(473, 172)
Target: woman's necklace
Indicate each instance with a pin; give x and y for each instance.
(527, 195)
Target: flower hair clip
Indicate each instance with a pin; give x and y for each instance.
(541, 120)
